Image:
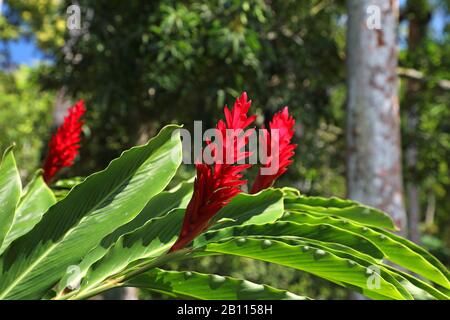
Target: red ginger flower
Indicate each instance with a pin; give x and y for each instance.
(284, 123)
(64, 145)
(217, 183)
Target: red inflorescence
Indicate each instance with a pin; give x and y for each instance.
(217, 183)
(64, 145)
(284, 123)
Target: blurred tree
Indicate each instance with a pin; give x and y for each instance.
(426, 122)
(143, 64)
(37, 18)
(418, 13)
(139, 64)
(374, 167)
(25, 116)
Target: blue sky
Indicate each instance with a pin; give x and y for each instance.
(25, 51)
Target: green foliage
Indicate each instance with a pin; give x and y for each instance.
(33, 17)
(259, 271)
(25, 116)
(115, 228)
(36, 199)
(77, 223)
(194, 285)
(308, 257)
(411, 256)
(343, 208)
(142, 63)
(9, 192)
(427, 104)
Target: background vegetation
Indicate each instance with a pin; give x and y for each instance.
(142, 64)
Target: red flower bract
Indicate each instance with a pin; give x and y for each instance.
(217, 183)
(64, 145)
(284, 123)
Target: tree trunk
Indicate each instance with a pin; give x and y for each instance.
(419, 15)
(431, 209)
(411, 153)
(374, 170)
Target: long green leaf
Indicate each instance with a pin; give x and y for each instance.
(158, 206)
(433, 292)
(424, 254)
(10, 189)
(37, 199)
(390, 275)
(92, 210)
(150, 241)
(323, 232)
(194, 285)
(245, 209)
(268, 206)
(320, 262)
(348, 209)
(395, 248)
(354, 256)
(387, 271)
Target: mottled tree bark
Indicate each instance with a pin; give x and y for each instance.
(374, 171)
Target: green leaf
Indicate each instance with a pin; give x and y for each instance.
(396, 249)
(348, 209)
(322, 232)
(290, 193)
(194, 285)
(436, 276)
(93, 209)
(319, 262)
(267, 206)
(37, 199)
(67, 184)
(150, 241)
(158, 206)
(245, 209)
(390, 275)
(433, 292)
(63, 186)
(10, 189)
(162, 203)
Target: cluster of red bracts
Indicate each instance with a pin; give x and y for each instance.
(64, 144)
(284, 124)
(217, 183)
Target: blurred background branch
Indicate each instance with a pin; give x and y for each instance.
(413, 74)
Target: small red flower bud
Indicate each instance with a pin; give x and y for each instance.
(64, 145)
